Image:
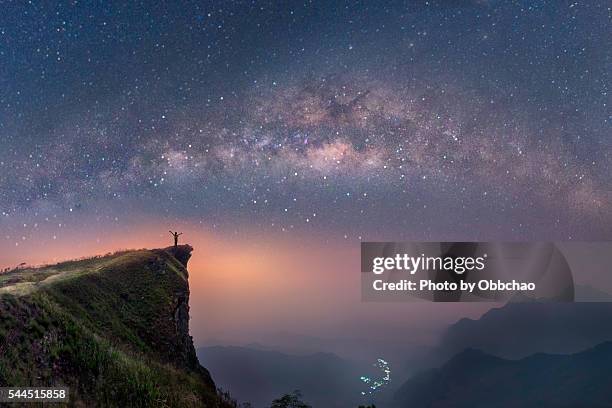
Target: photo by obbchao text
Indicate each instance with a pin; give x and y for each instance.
(473, 271)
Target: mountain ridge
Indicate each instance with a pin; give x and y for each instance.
(519, 329)
(476, 379)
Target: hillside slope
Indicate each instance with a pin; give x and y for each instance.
(114, 329)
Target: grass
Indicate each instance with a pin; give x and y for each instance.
(107, 328)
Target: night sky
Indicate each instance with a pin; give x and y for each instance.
(440, 120)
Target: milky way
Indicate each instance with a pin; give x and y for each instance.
(440, 119)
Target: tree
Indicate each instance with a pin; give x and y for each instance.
(290, 401)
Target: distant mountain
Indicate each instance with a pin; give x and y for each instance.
(473, 379)
(258, 376)
(520, 329)
(363, 349)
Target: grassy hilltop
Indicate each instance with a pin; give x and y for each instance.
(114, 329)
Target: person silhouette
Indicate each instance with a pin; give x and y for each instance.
(175, 235)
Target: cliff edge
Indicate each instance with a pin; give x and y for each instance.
(114, 329)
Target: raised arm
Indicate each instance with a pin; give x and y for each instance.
(181, 233)
(171, 232)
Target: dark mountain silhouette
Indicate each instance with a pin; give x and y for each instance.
(520, 329)
(473, 379)
(114, 329)
(258, 376)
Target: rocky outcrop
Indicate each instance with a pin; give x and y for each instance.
(182, 253)
(184, 349)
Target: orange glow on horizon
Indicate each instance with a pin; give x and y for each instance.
(249, 287)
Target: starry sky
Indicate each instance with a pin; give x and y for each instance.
(278, 135)
(442, 119)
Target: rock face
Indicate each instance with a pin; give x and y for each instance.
(181, 252)
(114, 329)
(183, 346)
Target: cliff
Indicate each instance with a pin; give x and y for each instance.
(114, 329)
